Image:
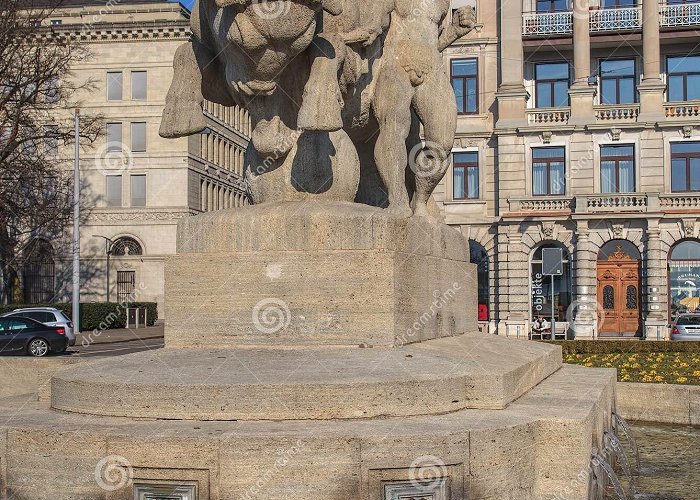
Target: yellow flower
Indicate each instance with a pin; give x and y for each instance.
(681, 380)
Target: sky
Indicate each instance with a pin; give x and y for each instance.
(186, 3)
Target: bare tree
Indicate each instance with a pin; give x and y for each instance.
(38, 91)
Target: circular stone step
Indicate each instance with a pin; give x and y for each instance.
(434, 377)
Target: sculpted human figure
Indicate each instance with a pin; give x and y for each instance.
(413, 76)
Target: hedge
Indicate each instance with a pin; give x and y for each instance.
(96, 315)
(623, 346)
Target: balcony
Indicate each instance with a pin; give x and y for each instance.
(682, 110)
(616, 113)
(548, 116)
(678, 15)
(623, 19)
(547, 23)
(541, 204)
(620, 203)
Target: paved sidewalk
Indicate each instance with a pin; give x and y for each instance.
(119, 335)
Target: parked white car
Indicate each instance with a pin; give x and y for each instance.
(50, 316)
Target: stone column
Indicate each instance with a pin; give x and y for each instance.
(581, 93)
(513, 294)
(651, 90)
(656, 292)
(512, 96)
(585, 268)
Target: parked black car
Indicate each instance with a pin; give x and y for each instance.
(20, 335)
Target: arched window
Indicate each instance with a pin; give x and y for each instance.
(619, 250)
(39, 272)
(480, 257)
(541, 286)
(684, 277)
(126, 246)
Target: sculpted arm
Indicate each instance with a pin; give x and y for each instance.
(463, 21)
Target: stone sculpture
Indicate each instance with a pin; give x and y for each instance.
(336, 90)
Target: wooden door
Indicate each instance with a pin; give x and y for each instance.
(619, 295)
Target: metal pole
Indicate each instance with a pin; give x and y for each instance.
(76, 227)
(553, 336)
(109, 253)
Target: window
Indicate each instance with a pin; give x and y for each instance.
(617, 169)
(114, 85)
(541, 286)
(39, 272)
(548, 171)
(479, 256)
(684, 277)
(138, 85)
(114, 137)
(552, 85)
(138, 137)
(553, 5)
(114, 190)
(465, 175)
(618, 4)
(126, 246)
(138, 190)
(52, 90)
(464, 73)
(56, 22)
(683, 75)
(618, 81)
(126, 285)
(685, 166)
(51, 140)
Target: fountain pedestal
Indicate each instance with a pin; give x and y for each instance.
(295, 406)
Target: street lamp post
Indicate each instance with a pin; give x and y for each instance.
(109, 243)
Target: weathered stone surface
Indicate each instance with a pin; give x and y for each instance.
(667, 403)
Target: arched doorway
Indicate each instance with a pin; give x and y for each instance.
(684, 278)
(541, 287)
(619, 289)
(39, 273)
(480, 257)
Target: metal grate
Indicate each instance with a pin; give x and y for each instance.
(126, 284)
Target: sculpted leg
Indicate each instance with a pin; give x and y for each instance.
(392, 107)
(435, 105)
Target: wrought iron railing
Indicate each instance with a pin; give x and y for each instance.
(685, 14)
(622, 19)
(547, 23)
(546, 116)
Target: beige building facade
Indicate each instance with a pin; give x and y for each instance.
(578, 133)
(137, 185)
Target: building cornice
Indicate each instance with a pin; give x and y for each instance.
(138, 215)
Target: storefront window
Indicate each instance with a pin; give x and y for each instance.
(480, 257)
(684, 277)
(541, 286)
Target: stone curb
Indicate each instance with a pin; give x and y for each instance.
(118, 341)
(663, 403)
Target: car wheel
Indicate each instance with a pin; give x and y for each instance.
(38, 347)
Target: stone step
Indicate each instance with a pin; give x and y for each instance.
(433, 377)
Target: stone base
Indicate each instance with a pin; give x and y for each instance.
(316, 274)
(539, 447)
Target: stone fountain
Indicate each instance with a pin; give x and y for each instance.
(321, 343)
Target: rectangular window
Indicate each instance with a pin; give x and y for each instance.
(618, 4)
(138, 190)
(138, 137)
(114, 190)
(548, 171)
(114, 137)
(126, 285)
(114, 85)
(56, 22)
(52, 90)
(553, 5)
(617, 169)
(618, 81)
(465, 82)
(465, 175)
(138, 85)
(552, 85)
(685, 166)
(51, 140)
(683, 78)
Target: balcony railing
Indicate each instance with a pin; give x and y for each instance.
(627, 18)
(679, 202)
(548, 116)
(547, 23)
(682, 110)
(608, 203)
(617, 113)
(687, 14)
(541, 204)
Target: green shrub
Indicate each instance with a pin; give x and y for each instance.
(623, 346)
(96, 315)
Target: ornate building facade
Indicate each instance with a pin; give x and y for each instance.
(579, 131)
(137, 185)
